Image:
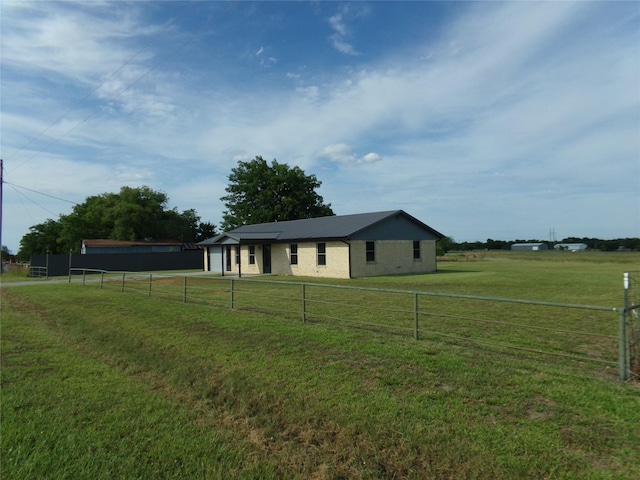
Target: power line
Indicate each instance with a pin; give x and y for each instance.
(39, 193)
(21, 194)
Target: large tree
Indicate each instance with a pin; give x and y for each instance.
(259, 193)
(132, 214)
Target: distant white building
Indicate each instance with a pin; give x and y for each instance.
(529, 247)
(572, 247)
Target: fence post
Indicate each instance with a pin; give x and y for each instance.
(623, 333)
(623, 345)
(123, 274)
(84, 277)
(415, 316)
(304, 303)
(184, 286)
(150, 282)
(101, 279)
(232, 294)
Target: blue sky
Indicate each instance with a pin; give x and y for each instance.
(482, 119)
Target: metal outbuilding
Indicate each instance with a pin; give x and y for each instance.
(572, 247)
(530, 247)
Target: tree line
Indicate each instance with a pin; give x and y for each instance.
(448, 244)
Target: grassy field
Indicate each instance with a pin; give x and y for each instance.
(99, 384)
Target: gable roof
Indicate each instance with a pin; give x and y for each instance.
(331, 227)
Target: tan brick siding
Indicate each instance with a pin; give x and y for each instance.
(393, 257)
(337, 255)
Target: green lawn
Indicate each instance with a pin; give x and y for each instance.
(102, 384)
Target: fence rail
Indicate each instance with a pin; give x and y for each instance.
(582, 333)
(38, 272)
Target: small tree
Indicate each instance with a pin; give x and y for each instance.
(444, 245)
(259, 193)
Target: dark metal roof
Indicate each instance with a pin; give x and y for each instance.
(331, 227)
(100, 242)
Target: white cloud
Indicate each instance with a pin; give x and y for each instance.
(371, 158)
(341, 34)
(312, 92)
(340, 44)
(48, 37)
(337, 24)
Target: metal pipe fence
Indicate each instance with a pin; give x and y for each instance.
(38, 272)
(580, 333)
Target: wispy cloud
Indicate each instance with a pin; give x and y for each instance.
(58, 39)
(339, 37)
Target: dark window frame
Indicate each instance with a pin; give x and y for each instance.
(321, 249)
(417, 255)
(252, 254)
(370, 251)
(293, 254)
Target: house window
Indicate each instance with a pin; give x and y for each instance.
(238, 255)
(416, 249)
(293, 248)
(252, 254)
(371, 251)
(322, 253)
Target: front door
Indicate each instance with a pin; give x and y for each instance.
(266, 259)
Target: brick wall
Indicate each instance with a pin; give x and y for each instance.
(337, 259)
(392, 257)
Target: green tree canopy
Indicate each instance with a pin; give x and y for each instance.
(41, 238)
(132, 214)
(259, 193)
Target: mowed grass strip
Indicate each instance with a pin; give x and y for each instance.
(102, 384)
(69, 411)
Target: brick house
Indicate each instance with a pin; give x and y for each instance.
(345, 246)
